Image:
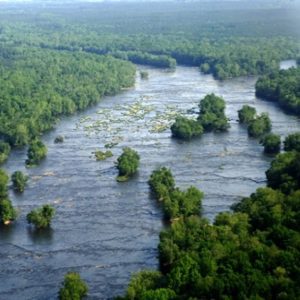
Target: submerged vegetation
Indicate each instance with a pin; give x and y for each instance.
(102, 155)
(59, 139)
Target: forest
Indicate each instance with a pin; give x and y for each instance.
(59, 59)
(79, 49)
(282, 87)
(38, 86)
(238, 43)
(249, 253)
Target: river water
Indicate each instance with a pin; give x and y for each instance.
(106, 230)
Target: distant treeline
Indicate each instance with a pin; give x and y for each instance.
(226, 43)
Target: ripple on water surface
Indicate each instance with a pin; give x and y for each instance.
(106, 230)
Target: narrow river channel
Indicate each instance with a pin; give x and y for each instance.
(106, 230)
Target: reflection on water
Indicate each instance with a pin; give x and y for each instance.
(106, 230)
(40, 236)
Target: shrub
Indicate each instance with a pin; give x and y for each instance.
(19, 181)
(247, 114)
(41, 217)
(184, 128)
(36, 152)
(271, 143)
(127, 163)
(74, 288)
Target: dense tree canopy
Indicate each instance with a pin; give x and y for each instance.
(162, 183)
(284, 173)
(292, 142)
(260, 126)
(38, 86)
(4, 151)
(212, 113)
(52, 64)
(185, 128)
(251, 253)
(229, 44)
(176, 203)
(271, 143)
(283, 87)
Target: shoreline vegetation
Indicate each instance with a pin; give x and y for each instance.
(282, 87)
(55, 64)
(57, 83)
(249, 252)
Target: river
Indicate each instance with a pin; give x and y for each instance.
(106, 230)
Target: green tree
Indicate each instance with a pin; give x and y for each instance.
(184, 128)
(162, 182)
(212, 113)
(73, 287)
(127, 163)
(19, 181)
(260, 126)
(41, 217)
(7, 211)
(284, 173)
(3, 184)
(246, 114)
(282, 87)
(141, 283)
(271, 143)
(292, 142)
(36, 152)
(4, 151)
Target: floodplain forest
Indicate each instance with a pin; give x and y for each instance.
(58, 59)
